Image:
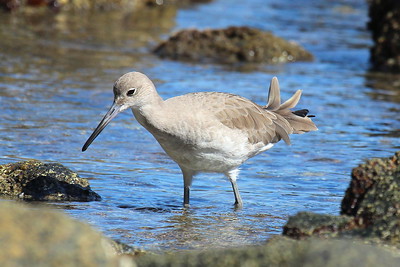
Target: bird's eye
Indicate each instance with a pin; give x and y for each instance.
(131, 92)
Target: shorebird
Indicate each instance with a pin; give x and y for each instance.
(207, 131)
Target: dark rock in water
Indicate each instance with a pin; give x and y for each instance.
(98, 5)
(370, 208)
(373, 198)
(385, 27)
(32, 236)
(231, 45)
(35, 180)
(376, 179)
(306, 224)
(9, 5)
(127, 250)
(173, 2)
(280, 252)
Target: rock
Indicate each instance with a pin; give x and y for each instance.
(306, 224)
(9, 5)
(32, 236)
(57, 5)
(35, 180)
(174, 2)
(231, 45)
(125, 5)
(126, 250)
(370, 209)
(376, 178)
(281, 252)
(373, 198)
(385, 27)
(99, 5)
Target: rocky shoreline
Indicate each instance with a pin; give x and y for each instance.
(368, 225)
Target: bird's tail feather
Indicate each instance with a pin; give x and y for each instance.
(299, 120)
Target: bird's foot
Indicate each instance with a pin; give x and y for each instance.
(238, 205)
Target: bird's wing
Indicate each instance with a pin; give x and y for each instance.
(259, 124)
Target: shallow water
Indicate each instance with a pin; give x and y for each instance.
(56, 77)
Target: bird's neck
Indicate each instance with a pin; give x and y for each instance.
(150, 115)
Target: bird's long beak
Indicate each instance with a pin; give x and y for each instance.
(114, 110)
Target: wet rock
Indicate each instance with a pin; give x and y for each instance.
(32, 236)
(370, 209)
(370, 181)
(281, 252)
(127, 250)
(231, 45)
(35, 180)
(385, 27)
(174, 2)
(9, 5)
(306, 224)
(126, 5)
(373, 198)
(99, 5)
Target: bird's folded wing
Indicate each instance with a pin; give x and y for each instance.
(259, 124)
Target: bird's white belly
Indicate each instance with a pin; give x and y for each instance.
(203, 144)
(213, 151)
(206, 160)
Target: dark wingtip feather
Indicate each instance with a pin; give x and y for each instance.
(303, 113)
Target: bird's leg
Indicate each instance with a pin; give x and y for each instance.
(238, 198)
(187, 182)
(186, 194)
(232, 175)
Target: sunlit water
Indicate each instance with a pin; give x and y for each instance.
(56, 77)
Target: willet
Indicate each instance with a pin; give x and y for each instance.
(207, 131)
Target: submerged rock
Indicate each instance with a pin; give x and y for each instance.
(231, 45)
(35, 180)
(32, 236)
(280, 252)
(385, 27)
(370, 208)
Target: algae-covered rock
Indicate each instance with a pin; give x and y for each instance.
(281, 252)
(373, 198)
(95, 5)
(9, 5)
(374, 182)
(370, 209)
(306, 224)
(32, 236)
(127, 250)
(385, 27)
(35, 180)
(231, 45)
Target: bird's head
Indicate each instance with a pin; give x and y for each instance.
(131, 90)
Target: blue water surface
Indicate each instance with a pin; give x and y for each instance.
(55, 89)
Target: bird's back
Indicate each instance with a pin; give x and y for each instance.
(261, 124)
